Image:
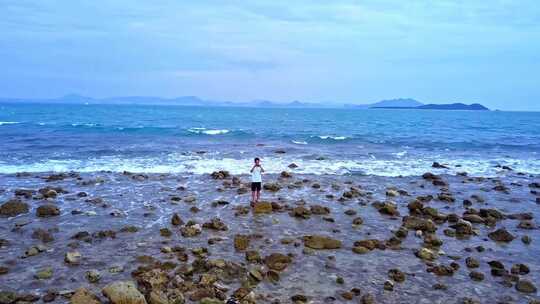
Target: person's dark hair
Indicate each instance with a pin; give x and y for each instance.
(256, 159)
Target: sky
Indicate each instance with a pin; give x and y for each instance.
(338, 51)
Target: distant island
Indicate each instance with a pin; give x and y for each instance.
(399, 103)
(452, 106)
(408, 103)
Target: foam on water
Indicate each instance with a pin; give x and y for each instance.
(8, 123)
(196, 164)
(208, 131)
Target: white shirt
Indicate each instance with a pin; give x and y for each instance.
(256, 176)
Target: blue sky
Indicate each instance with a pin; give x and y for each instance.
(318, 51)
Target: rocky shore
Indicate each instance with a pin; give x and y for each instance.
(162, 238)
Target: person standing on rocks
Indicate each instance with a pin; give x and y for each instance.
(256, 180)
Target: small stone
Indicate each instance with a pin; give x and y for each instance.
(525, 286)
(176, 220)
(360, 249)
(388, 285)
(396, 275)
(426, 254)
(520, 269)
(526, 239)
(476, 276)
(165, 232)
(73, 257)
(93, 276)
(472, 262)
(241, 242)
(44, 274)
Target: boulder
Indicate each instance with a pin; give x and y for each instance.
(389, 208)
(525, 286)
(417, 223)
(262, 207)
(123, 292)
(277, 261)
(83, 296)
(42, 235)
(319, 210)
(47, 210)
(216, 224)
(241, 242)
(273, 187)
(473, 218)
(426, 254)
(301, 212)
(13, 207)
(321, 242)
(222, 174)
(501, 235)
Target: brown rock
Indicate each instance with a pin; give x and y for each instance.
(47, 210)
(321, 242)
(13, 207)
(396, 275)
(319, 210)
(262, 207)
(273, 187)
(83, 296)
(277, 261)
(389, 208)
(176, 220)
(123, 292)
(501, 235)
(241, 242)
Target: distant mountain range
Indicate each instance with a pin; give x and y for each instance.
(400, 103)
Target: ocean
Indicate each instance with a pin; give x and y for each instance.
(199, 140)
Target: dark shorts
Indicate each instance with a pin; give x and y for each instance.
(256, 186)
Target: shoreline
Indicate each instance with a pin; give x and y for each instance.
(122, 225)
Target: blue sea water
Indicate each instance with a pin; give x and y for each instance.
(163, 139)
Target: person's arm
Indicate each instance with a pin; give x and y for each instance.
(262, 170)
(251, 171)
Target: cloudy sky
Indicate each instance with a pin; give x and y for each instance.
(318, 51)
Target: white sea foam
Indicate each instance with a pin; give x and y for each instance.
(299, 142)
(332, 137)
(8, 123)
(201, 164)
(208, 131)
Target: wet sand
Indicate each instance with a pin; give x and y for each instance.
(121, 225)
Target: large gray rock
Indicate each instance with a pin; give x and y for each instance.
(123, 292)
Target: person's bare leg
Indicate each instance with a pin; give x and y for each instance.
(253, 196)
(258, 195)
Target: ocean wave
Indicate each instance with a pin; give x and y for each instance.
(331, 137)
(201, 164)
(9, 123)
(208, 131)
(299, 142)
(87, 124)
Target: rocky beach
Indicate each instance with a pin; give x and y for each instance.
(122, 238)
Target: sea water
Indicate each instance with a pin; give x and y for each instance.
(184, 139)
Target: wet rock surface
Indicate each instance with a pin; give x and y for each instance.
(160, 238)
